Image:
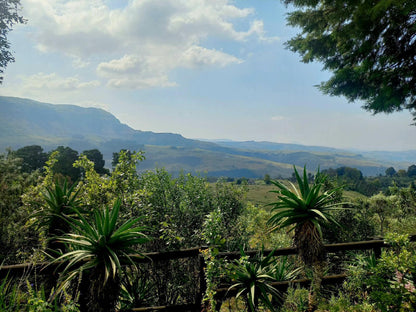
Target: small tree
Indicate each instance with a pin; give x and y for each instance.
(390, 172)
(97, 157)
(382, 206)
(267, 179)
(411, 171)
(304, 210)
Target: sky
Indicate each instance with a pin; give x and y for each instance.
(206, 69)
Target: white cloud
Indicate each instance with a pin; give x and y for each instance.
(197, 56)
(55, 82)
(278, 118)
(135, 72)
(51, 88)
(138, 45)
(140, 72)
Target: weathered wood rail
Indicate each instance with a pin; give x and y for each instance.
(222, 293)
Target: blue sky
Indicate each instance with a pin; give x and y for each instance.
(211, 69)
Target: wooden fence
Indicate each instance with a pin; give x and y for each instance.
(199, 282)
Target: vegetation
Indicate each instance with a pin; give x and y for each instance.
(9, 16)
(369, 47)
(305, 210)
(252, 279)
(97, 251)
(96, 223)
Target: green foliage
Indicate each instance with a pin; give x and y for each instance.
(124, 182)
(218, 237)
(385, 284)
(20, 295)
(10, 297)
(267, 179)
(304, 210)
(369, 47)
(216, 270)
(64, 163)
(94, 189)
(359, 217)
(296, 300)
(99, 249)
(252, 279)
(101, 243)
(97, 158)
(284, 270)
(136, 290)
(16, 237)
(61, 203)
(383, 207)
(33, 157)
(411, 171)
(9, 17)
(390, 171)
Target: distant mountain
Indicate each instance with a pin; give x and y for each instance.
(271, 146)
(25, 122)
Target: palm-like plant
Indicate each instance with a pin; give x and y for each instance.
(305, 209)
(61, 203)
(98, 250)
(253, 278)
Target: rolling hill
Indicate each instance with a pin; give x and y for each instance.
(26, 122)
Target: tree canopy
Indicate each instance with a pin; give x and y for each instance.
(33, 157)
(369, 46)
(9, 16)
(97, 157)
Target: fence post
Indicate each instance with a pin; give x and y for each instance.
(377, 252)
(202, 281)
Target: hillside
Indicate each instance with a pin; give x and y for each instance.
(26, 122)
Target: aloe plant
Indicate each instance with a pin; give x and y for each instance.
(252, 279)
(305, 209)
(60, 203)
(97, 251)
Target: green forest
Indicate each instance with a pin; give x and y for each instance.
(93, 225)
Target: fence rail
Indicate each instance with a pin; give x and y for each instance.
(222, 293)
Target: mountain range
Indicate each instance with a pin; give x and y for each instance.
(26, 122)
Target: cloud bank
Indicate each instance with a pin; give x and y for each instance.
(137, 45)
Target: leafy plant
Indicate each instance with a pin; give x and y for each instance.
(253, 278)
(135, 290)
(284, 270)
(60, 204)
(21, 295)
(10, 297)
(392, 284)
(304, 210)
(296, 300)
(98, 250)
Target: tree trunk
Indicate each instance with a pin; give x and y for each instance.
(95, 296)
(315, 288)
(309, 244)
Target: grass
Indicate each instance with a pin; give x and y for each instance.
(259, 194)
